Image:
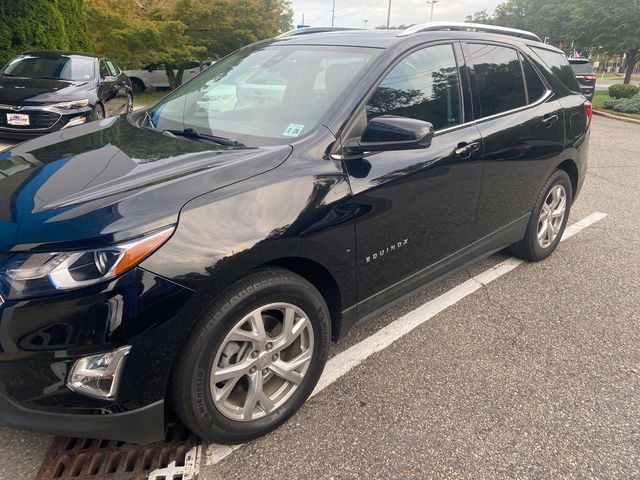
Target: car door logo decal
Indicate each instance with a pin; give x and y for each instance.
(390, 249)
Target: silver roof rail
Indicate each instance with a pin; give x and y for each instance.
(308, 30)
(468, 27)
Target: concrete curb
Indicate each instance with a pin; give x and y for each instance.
(616, 117)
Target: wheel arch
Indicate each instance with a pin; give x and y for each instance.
(137, 81)
(570, 167)
(319, 277)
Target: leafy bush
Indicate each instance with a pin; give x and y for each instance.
(624, 105)
(41, 25)
(620, 90)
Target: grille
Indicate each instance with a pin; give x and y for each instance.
(83, 459)
(38, 119)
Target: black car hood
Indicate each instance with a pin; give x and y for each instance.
(30, 91)
(109, 181)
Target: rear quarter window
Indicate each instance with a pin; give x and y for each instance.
(560, 66)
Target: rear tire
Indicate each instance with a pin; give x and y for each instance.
(252, 396)
(548, 219)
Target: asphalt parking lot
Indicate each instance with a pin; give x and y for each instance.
(536, 374)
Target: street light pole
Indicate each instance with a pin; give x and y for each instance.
(365, 21)
(333, 12)
(432, 3)
(389, 14)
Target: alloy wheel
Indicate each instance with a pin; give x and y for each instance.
(552, 216)
(261, 362)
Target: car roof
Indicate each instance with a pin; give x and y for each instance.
(53, 53)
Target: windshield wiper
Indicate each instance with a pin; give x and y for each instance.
(149, 120)
(192, 133)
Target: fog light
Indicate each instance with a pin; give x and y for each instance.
(98, 375)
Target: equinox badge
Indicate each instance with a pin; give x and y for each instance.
(390, 249)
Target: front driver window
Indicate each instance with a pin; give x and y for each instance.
(425, 85)
(104, 70)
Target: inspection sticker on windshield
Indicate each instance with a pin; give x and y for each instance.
(293, 130)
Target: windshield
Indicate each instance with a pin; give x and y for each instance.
(59, 67)
(263, 94)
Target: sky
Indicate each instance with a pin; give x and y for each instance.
(352, 13)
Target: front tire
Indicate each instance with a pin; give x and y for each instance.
(253, 358)
(548, 219)
(98, 112)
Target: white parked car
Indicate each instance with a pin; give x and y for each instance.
(155, 75)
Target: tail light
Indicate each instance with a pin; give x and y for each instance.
(588, 108)
(590, 77)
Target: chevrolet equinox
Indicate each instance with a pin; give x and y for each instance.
(200, 255)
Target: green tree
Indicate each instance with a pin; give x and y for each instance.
(42, 25)
(614, 26)
(286, 17)
(478, 17)
(178, 31)
(141, 32)
(547, 18)
(222, 26)
(402, 26)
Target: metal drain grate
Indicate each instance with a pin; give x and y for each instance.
(82, 458)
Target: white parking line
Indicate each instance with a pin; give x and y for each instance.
(344, 361)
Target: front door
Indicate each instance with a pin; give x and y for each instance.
(107, 90)
(415, 209)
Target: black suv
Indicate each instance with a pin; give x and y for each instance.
(202, 254)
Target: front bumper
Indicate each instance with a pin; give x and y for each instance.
(43, 120)
(143, 425)
(41, 339)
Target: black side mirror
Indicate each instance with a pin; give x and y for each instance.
(390, 132)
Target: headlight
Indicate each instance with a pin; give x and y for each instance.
(73, 104)
(27, 275)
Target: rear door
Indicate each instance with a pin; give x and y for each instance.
(157, 76)
(521, 123)
(191, 70)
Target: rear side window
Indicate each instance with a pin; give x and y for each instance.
(499, 78)
(425, 85)
(559, 65)
(535, 86)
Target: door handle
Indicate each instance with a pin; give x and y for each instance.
(549, 120)
(465, 150)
